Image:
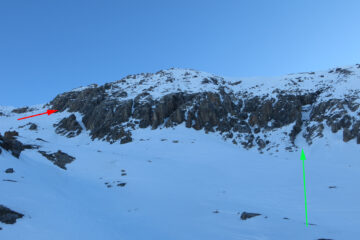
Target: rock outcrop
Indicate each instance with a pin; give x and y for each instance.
(22, 110)
(68, 126)
(59, 158)
(110, 112)
(9, 143)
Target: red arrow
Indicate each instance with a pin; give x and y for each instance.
(48, 112)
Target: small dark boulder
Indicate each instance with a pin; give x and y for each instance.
(9, 216)
(59, 158)
(247, 215)
(9, 170)
(33, 126)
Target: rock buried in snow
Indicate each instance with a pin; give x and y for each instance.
(247, 215)
(9, 216)
(9, 180)
(59, 158)
(9, 170)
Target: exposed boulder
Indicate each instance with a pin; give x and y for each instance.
(247, 215)
(59, 158)
(9, 170)
(33, 126)
(9, 216)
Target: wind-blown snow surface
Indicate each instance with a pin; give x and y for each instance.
(173, 188)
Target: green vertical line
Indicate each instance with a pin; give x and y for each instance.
(303, 158)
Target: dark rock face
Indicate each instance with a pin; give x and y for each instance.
(9, 170)
(336, 114)
(247, 215)
(109, 119)
(59, 158)
(9, 216)
(12, 145)
(68, 126)
(240, 116)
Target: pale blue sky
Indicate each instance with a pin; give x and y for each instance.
(48, 47)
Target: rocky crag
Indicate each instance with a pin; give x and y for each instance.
(245, 111)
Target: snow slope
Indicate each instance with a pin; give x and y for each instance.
(173, 188)
(337, 82)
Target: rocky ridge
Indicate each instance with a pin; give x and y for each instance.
(245, 111)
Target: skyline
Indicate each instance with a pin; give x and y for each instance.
(51, 47)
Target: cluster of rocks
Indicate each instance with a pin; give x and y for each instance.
(116, 183)
(239, 116)
(68, 126)
(9, 143)
(338, 114)
(59, 158)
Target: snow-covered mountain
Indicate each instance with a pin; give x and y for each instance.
(183, 154)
